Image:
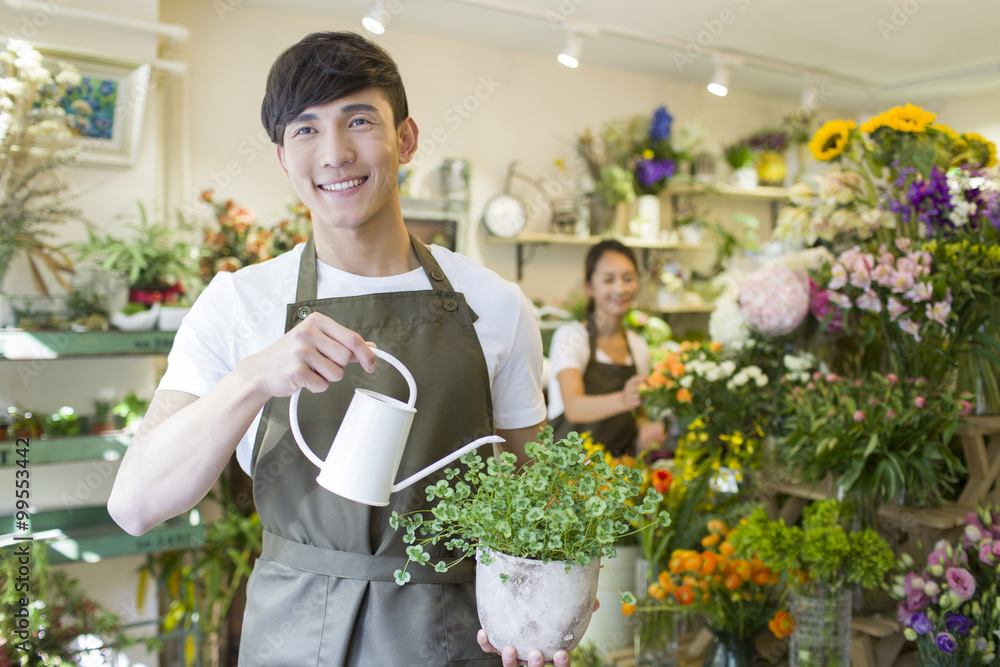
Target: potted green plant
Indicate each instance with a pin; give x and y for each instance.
(739, 156)
(552, 520)
(824, 559)
(62, 422)
(156, 263)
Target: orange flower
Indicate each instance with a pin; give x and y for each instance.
(684, 595)
(732, 581)
(628, 608)
(666, 581)
(684, 395)
(708, 564)
(710, 540)
(716, 526)
(743, 569)
(655, 380)
(715, 346)
(726, 549)
(661, 480)
(677, 369)
(657, 591)
(692, 562)
(782, 625)
(676, 564)
(761, 576)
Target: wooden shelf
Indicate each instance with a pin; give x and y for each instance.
(106, 447)
(727, 190)
(20, 345)
(542, 238)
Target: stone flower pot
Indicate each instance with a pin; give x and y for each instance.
(538, 605)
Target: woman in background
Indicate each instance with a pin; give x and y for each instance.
(598, 365)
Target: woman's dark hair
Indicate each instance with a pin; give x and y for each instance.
(324, 67)
(594, 256)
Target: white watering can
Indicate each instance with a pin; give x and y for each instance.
(365, 455)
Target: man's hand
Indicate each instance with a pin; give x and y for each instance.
(310, 356)
(509, 654)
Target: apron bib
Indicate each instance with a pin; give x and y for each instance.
(322, 592)
(617, 433)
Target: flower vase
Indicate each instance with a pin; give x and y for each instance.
(728, 650)
(771, 168)
(822, 636)
(802, 155)
(979, 376)
(646, 224)
(602, 216)
(655, 629)
(745, 178)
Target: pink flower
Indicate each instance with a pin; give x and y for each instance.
(884, 275)
(774, 299)
(869, 301)
(891, 414)
(960, 582)
(921, 292)
(861, 279)
(859, 416)
(838, 277)
(819, 306)
(912, 328)
(841, 301)
(893, 379)
(895, 308)
(901, 282)
(831, 377)
(903, 244)
(939, 312)
(919, 402)
(856, 261)
(965, 408)
(986, 554)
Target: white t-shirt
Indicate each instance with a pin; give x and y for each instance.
(570, 348)
(242, 313)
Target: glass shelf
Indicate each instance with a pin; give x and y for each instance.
(17, 344)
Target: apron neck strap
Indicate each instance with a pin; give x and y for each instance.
(306, 288)
(592, 337)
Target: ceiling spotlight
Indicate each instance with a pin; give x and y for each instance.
(376, 20)
(720, 82)
(570, 56)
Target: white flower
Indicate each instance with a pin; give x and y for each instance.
(761, 380)
(11, 86)
(82, 108)
(69, 78)
(686, 380)
(727, 367)
(800, 194)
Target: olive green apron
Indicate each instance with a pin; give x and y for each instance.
(322, 593)
(618, 433)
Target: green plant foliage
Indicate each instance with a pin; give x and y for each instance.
(822, 550)
(564, 506)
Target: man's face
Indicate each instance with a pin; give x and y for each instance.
(342, 158)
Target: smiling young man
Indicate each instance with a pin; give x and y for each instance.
(323, 591)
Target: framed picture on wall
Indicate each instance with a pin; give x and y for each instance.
(116, 91)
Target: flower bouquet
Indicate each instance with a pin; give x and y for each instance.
(950, 607)
(878, 436)
(819, 559)
(738, 597)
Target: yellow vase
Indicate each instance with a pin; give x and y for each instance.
(771, 168)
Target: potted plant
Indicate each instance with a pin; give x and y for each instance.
(63, 422)
(157, 266)
(740, 158)
(823, 558)
(536, 533)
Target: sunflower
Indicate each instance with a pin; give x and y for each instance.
(946, 131)
(908, 118)
(985, 150)
(831, 139)
(872, 124)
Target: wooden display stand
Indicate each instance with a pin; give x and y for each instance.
(878, 641)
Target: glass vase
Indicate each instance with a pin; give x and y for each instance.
(728, 650)
(980, 377)
(822, 636)
(656, 628)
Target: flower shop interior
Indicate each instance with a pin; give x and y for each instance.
(818, 269)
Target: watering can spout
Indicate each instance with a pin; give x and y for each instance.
(458, 453)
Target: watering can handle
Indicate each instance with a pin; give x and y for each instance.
(458, 453)
(293, 407)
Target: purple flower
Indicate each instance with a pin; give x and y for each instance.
(659, 126)
(650, 172)
(932, 201)
(960, 582)
(920, 623)
(946, 642)
(957, 623)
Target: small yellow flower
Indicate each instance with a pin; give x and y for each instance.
(831, 139)
(648, 154)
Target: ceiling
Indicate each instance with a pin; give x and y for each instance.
(858, 53)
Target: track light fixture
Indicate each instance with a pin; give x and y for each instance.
(570, 55)
(376, 20)
(720, 82)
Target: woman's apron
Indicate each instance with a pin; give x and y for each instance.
(323, 593)
(619, 432)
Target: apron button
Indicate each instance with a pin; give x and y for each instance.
(437, 275)
(304, 312)
(451, 305)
